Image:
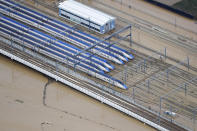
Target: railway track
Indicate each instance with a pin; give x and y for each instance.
(114, 98)
(145, 26)
(153, 29)
(119, 101)
(161, 54)
(124, 46)
(140, 10)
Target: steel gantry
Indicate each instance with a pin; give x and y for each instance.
(108, 38)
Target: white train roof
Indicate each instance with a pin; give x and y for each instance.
(86, 12)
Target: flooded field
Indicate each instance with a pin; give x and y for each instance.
(31, 101)
(26, 106)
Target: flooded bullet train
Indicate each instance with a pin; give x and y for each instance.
(30, 34)
(39, 23)
(51, 52)
(64, 31)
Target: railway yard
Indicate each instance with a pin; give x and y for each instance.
(161, 78)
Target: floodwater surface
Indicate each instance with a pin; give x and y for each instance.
(25, 105)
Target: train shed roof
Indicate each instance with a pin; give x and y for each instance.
(86, 12)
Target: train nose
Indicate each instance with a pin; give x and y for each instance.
(131, 56)
(120, 62)
(121, 85)
(125, 87)
(125, 59)
(107, 69)
(112, 67)
(104, 68)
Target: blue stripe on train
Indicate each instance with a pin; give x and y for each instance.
(67, 31)
(38, 41)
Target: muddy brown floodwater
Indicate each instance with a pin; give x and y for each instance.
(22, 105)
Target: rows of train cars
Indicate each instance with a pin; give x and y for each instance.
(86, 62)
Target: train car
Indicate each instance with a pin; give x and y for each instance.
(99, 75)
(72, 39)
(42, 42)
(86, 16)
(57, 43)
(64, 28)
(50, 53)
(39, 44)
(44, 18)
(54, 54)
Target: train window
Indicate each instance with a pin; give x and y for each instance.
(65, 16)
(91, 24)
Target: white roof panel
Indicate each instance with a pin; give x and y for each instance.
(85, 12)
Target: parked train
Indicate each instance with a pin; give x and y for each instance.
(41, 39)
(18, 35)
(61, 27)
(67, 35)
